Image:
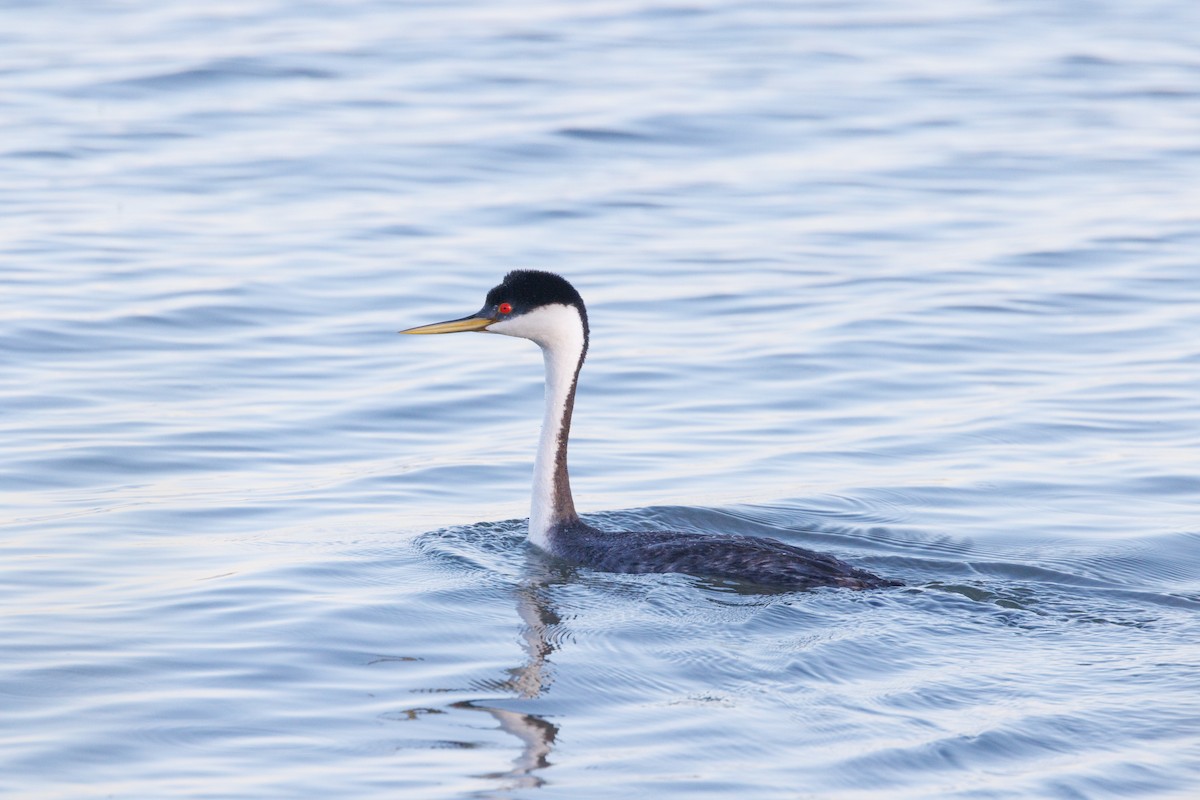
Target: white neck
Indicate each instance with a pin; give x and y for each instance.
(552, 502)
(558, 330)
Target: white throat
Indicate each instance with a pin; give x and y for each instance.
(558, 330)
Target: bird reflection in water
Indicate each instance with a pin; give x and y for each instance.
(529, 680)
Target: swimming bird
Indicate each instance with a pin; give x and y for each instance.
(546, 309)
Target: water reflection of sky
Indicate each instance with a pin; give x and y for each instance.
(915, 286)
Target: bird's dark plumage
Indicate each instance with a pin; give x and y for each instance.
(745, 559)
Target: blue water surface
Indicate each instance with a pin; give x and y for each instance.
(916, 284)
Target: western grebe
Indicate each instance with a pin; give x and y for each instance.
(546, 309)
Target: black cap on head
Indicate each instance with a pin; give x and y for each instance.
(526, 289)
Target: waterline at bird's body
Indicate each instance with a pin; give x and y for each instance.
(546, 309)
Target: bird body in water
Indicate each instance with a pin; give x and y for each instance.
(546, 309)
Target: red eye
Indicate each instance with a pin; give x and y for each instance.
(505, 308)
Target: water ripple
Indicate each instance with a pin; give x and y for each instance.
(865, 278)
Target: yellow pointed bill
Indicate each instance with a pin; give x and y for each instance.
(453, 326)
